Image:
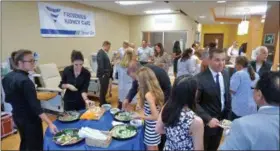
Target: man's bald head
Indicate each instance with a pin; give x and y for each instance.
(132, 68)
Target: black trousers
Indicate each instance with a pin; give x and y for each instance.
(234, 116)
(104, 84)
(212, 138)
(31, 134)
(74, 105)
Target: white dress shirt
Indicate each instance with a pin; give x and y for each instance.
(258, 67)
(222, 86)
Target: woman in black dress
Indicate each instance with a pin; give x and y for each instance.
(176, 55)
(75, 79)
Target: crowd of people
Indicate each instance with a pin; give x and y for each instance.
(203, 94)
(182, 116)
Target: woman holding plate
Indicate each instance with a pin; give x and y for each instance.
(75, 79)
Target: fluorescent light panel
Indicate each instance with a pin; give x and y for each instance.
(132, 2)
(221, 1)
(163, 11)
(250, 10)
(201, 16)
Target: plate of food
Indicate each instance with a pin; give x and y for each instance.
(225, 124)
(67, 137)
(123, 116)
(94, 113)
(69, 116)
(123, 132)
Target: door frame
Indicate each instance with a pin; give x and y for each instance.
(214, 34)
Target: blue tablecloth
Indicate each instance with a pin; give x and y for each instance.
(105, 123)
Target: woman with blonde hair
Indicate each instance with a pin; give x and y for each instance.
(152, 99)
(124, 80)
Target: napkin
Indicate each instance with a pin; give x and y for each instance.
(86, 132)
(114, 123)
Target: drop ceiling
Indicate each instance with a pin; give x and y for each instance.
(209, 10)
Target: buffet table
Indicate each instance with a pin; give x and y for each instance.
(105, 123)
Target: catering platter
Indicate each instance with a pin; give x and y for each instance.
(123, 132)
(94, 113)
(69, 116)
(123, 116)
(67, 137)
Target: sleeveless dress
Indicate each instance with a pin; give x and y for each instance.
(151, 137)
(178, 137)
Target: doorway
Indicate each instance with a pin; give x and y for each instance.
(218, 38)
(167, 38)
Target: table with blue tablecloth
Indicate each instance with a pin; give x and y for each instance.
(105, 124)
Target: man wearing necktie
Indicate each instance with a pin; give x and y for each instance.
(213, 98)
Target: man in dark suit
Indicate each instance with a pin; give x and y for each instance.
(104, 70)
(213, 98)
(260, 65)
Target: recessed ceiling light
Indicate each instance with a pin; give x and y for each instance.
(201, 16)
(221, 22)
(132, 2)
(261, 9)
(221, 1)
(163, 11)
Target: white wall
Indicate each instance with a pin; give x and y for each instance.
(178, 22)
(21, 30)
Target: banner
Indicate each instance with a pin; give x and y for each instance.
(59, 21)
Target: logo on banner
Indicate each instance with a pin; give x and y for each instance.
(54, 12)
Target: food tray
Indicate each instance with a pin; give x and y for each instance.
(117, 138)
(126, 121)
(66, 144)
(68, 121)
(100, 143)
(100, 114)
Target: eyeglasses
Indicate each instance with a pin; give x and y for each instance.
(30, 61)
